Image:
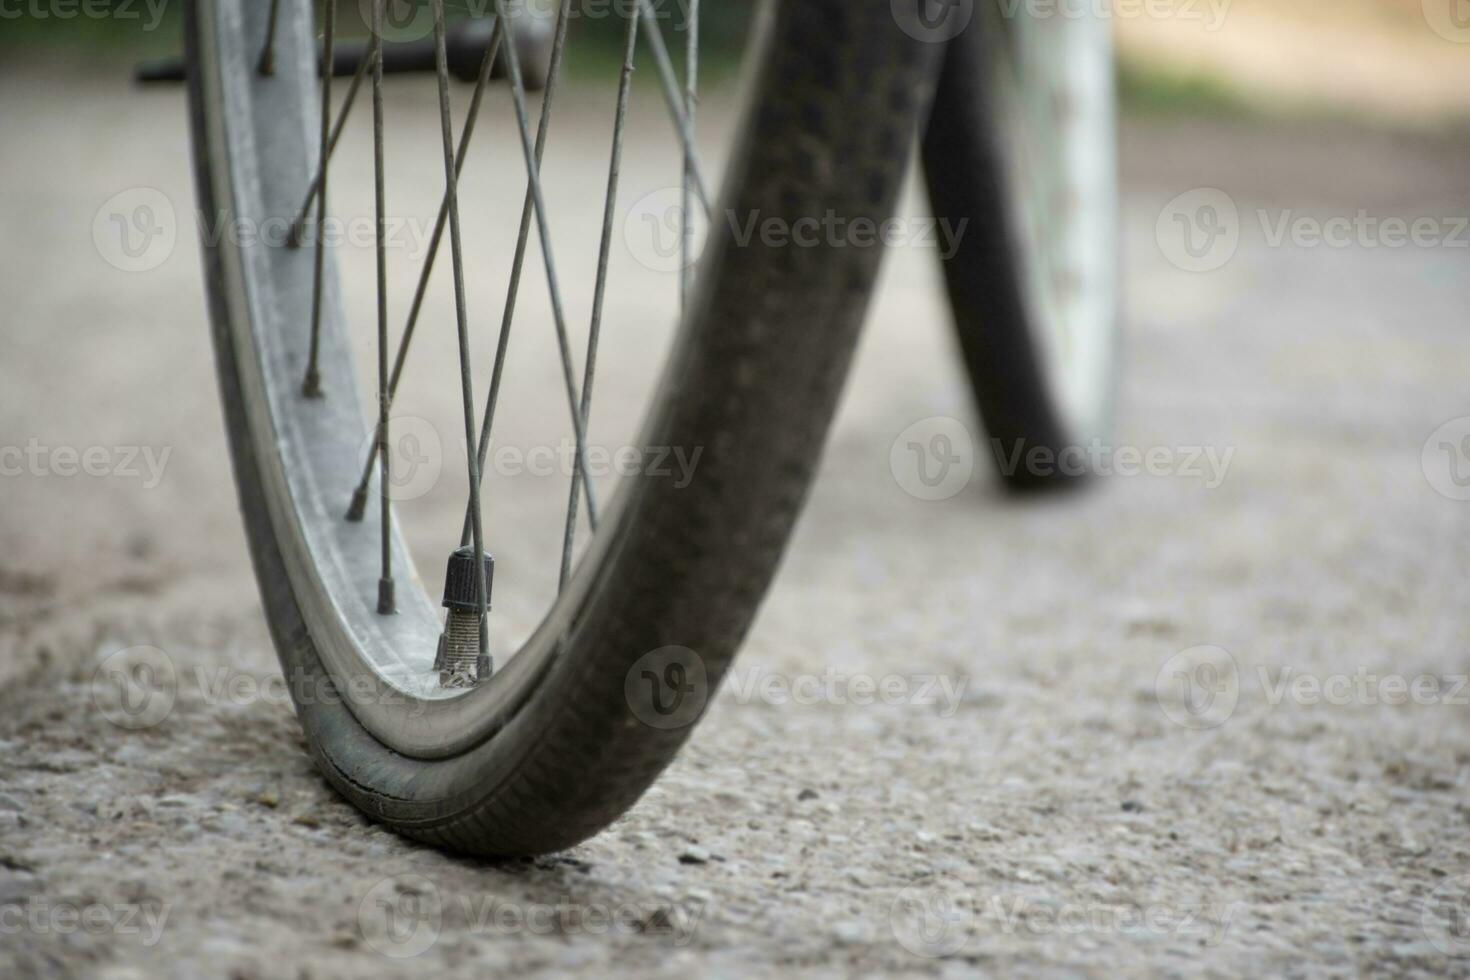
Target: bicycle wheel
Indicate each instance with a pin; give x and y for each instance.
(564, 738)
(1021, 144)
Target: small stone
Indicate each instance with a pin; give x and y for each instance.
(268, 798)
(1132, 806)
(806, 794)
(694, 854)
(658, 922)
(985, 831)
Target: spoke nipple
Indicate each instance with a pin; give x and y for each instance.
(298, 231)
(358, 506)
(386, 604)
(460, 660)
(267, 64)
(312, 386)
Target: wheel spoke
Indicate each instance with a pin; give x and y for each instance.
(518, 264)
(691, 97)
(543, 229)
(267, 63)
(311, 386)
(599, 292)
(386, 603)
(298, 223)
(672, 98)
(682, 106)
(451, 194)
(359, 496)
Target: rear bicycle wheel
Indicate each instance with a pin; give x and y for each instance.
(579, 722)
(1021, 147)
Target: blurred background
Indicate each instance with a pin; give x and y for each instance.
(1374, 59)
(1330, 371)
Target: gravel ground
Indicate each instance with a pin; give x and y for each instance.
(1034, 796)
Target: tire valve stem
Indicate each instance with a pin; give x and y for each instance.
(460, 661)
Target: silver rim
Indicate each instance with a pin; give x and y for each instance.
(1052, 92)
